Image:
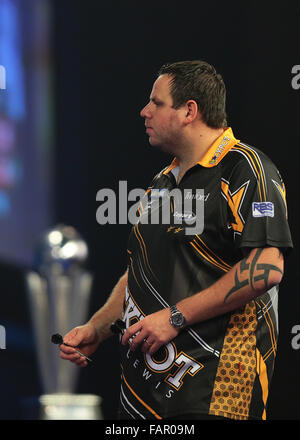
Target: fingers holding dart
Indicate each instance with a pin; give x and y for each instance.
(58, 340)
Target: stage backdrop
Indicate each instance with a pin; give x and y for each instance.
(26, 183)
(106, 59)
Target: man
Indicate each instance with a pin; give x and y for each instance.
(200, 310)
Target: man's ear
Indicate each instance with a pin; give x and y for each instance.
(191, 110)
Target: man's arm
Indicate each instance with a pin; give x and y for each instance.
(251, 277)
(111, 310)
(248, 279)
(87, 337)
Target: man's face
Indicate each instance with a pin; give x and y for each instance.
(163, 123)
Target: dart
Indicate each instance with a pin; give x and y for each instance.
(58, 340)
(118, 327)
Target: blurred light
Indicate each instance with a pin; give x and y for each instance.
(73, 249)
(55, 237)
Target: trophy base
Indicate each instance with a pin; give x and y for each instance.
(59, 406)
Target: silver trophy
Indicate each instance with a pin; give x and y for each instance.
(59, 293)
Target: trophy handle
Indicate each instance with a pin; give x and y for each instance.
(39, 310)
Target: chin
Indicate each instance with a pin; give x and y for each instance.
(154, 143)
(162, 147)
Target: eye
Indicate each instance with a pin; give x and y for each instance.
(156, 102)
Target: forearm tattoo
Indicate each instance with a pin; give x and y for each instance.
(252, 267)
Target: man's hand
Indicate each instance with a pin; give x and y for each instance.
(85, 338)
(152, 332)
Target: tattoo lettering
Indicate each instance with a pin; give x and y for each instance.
(245, 266)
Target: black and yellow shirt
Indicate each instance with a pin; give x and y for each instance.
(222, 366)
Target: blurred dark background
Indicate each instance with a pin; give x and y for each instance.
(97, 64)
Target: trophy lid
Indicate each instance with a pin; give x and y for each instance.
(61, 247)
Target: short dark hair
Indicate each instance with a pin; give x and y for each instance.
(199, 81)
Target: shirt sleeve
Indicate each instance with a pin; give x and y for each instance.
(257, 198)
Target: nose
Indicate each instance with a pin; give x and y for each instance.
(145, 112)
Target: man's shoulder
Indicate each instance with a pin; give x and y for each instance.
(245, 158)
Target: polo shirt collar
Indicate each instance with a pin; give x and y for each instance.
(215, 153)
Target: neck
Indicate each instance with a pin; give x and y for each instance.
(196, 148)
